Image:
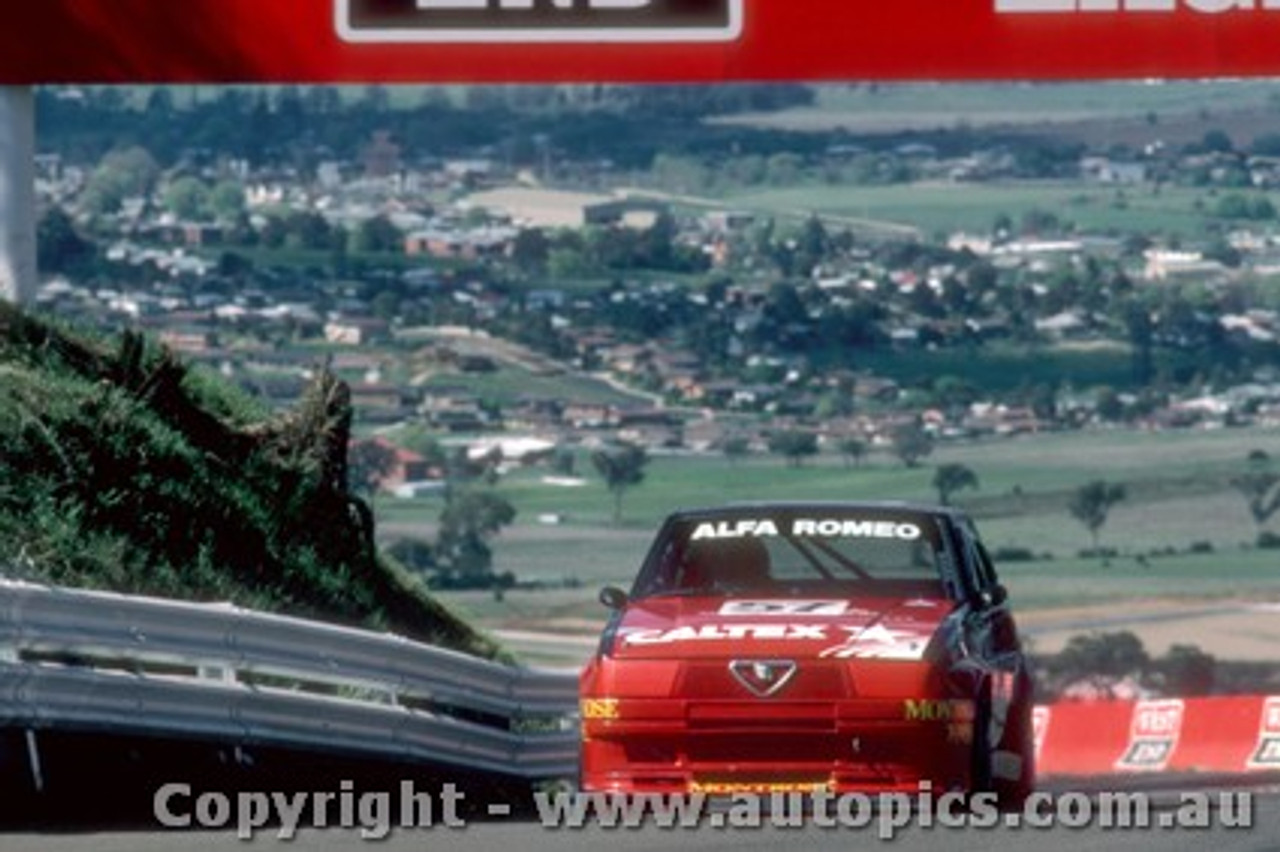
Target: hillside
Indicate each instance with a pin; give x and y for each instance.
(122, 468)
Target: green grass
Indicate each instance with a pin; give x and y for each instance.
(506, 385)
(1051, 463)
(1044, 585)
(1178, 482)
(891, 106)
(948, 207)
(1235, 575)
(122, 470)
(1002, 367)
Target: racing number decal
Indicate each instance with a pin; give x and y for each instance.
(784, 607)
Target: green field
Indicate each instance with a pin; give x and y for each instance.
(1049, 100)
(938, 207)
(926, 106)
(1002, 367)
(506, 385)
(1033, 586)
(1180, 497)
(1183, 537)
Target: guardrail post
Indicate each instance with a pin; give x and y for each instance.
(33, 761)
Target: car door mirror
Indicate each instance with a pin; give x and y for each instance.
(613, 597)
(995, 596)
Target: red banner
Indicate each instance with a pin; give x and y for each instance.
(633, 40)
(1220, 735)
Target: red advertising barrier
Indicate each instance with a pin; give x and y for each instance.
(1221, 735)
(632, 40)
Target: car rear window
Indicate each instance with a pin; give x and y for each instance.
(798, 552)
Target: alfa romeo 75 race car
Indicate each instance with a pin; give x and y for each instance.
(804, 647)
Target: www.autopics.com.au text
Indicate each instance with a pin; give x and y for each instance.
(376, 814)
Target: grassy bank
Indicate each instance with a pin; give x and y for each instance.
(122, 469)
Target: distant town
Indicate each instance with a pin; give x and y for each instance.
(542, 297)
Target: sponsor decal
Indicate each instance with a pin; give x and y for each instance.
(784, 607)
(875, 642)
(599, 708)
(955, 714)
(878, 642)
(1267, 754)
(505, 21)
(855, 529)
(1040, 718)
(762, 678)
(725, 632)
(725, 788)
(937, 710)
(826, 528)
(1210, 7)
(1153, 735)
(734, 529)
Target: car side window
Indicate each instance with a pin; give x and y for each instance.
(984, 570)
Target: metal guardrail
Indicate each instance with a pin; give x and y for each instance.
(97, 661)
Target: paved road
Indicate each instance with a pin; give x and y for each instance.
(1263, 836)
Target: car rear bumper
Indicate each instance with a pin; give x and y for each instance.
(665, 745)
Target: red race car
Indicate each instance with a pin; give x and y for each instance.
(804, 647)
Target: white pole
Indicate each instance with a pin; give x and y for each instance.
(17, 194)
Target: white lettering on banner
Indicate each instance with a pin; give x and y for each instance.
(1153, 735)
(724, 632)
(1267, 753)
(826, 527)
(1158, 720)
(1041, 716)
(786, 607)
(1272, 716)
(1209, 7)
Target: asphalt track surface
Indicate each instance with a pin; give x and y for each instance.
(521, 835)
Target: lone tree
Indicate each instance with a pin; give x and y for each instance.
(853, 450)
(1260, 486)
(736, 448)
(471, 517)
(1102, 659)
(911, 443)
(794, 445)
(952, 477)
(1092, 502)
(368, 464)
(622, 466)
